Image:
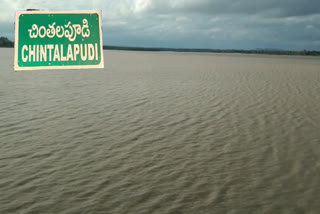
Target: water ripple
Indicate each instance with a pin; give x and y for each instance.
(162, 133)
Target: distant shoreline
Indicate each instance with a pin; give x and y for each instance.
(199, 50)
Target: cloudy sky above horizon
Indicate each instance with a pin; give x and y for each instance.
(226, 24)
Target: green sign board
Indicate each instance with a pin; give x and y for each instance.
(58, 40)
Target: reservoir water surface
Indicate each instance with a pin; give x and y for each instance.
(162, 133)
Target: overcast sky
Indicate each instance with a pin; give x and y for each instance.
(227, 24)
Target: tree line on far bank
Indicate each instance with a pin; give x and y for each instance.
(5, 42)
(199, 50)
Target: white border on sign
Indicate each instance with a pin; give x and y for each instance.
(16, 41)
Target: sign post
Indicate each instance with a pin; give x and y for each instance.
(58, 40)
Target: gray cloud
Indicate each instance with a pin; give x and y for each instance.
(244, 24)
(281, 8)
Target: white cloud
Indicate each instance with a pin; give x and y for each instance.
(141, 5)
